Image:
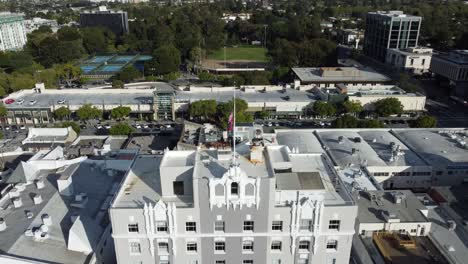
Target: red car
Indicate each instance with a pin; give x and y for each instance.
(9, 101)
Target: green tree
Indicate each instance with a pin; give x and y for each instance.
(346, 121)
(121, 129)
(324, 109)
(3, 111)
(87, 111)
(117, 84)
(203, 109)
(71, 124)
(68, 73)
(225, 109)
(120, 112)
(425, 121)
(262, 115)
(352, 107)
(388, 106)
(128, 74)
(166, 59)
(97, 39)
(371, 123)
(62, 113)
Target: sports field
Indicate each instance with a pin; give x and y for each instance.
(250, 53)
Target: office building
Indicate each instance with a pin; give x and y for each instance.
(37, 22)
(271, 205)
(453, 66)
(332, 76)
(12, 31)
(413, 60)
(390, 30)
(116, 21)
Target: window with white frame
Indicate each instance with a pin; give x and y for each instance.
(334, 224)
(303, 261)
(133, 228)
(249, 226)
(190, 226)
(234, 188)
(304, 245)
(276, 245)
(220, 246)
(332, 244)
(305, 225)
(135, 247)
(163, 247)
(219, 226)
(247, 261)
(161, 226)
(192, 247)
(247, 246)
(277, 226)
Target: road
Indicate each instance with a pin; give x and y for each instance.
(448, 114)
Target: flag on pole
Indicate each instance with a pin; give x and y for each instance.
(231, 122)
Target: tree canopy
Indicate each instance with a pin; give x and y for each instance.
(121, 129)
(388, 106)
(324, 109)
(120, 112)
(425, 121)
(62, 113)
(87, 111)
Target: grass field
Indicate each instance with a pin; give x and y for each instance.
(241, 53)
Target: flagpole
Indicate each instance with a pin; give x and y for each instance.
(234, 128)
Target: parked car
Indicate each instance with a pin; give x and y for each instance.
(62, 101)
(22, 127)
(32, 102)
(9, 101)
(20, 101)
(107, 126)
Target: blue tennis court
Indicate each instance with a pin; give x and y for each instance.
(123, 58)
(87, 68)
(111, 68)
(144, 58)
(101, 59)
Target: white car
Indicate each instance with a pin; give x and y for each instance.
(137, 126)
(98, 127)
(20, 101)
(270, 124)
(145, 126)
(107, 126)
(61, 101)
(22, 127)
(32, 102)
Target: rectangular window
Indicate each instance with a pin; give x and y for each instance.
(161, 226)
(413, 230)
(277, 226)
(220, 246)
(276, 245)
(276, 261)
(220, 262)
(303, 261)
(332, 244)
(305, 225)
(304, 245)
(247, 261)
(219, 226)
(178, 187)
(163, 247)
(190, 226)
(334, 224)
(249, 226)
(234, 188)
(135, 248)
(164, 262)
(191, 247)
(133, 228)
(247, 245)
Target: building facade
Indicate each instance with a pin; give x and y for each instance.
(454, 67)
(283, 207)
(390, 30)
(12, 32)
(414, 60)
(117, 22)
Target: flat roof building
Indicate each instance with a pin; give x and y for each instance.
(116, 21)
(12, 31)
(331, 76)
(454, 67)
(413, 60)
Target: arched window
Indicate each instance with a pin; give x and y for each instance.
(234, 188)
(219, 190)
(249, 190)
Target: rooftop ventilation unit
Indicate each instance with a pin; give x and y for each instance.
(46, 219)
(40, 184)
(37, 198)
(17, 202)
(340, 139)
(398, 197)
(3, 225)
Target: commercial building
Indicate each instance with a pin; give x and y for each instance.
(270, 205)
(332, 76)
(12, 31)
(37, 22)
(390, 30)
(454, 67)
(368, 95)
(116, 21)
(349, 36)
(414, 60)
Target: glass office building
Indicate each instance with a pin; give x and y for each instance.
(390, 30)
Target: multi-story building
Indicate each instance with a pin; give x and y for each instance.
(390, 30)
(116, 21)
(271, 204)
(37, 22)
(454, 67)
(331, 76)
(414, 60)
(12, 31)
